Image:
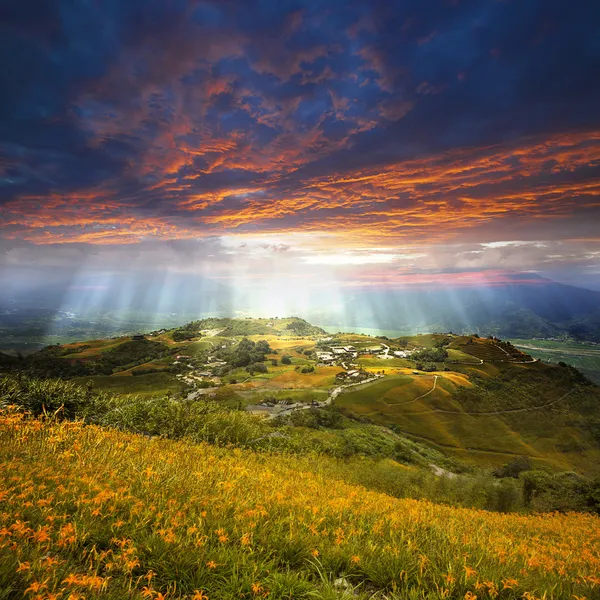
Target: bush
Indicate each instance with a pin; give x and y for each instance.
(286, 360)
(515, 467)
(47, 396)
(181, 335)
(432, 355)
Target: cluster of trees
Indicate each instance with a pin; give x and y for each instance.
(181, 335)
(431, 355)
(544, 491)
(302, 327)
(246, 353)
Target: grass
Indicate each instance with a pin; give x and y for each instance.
(90, 512)
(151, 384)
(452, 418)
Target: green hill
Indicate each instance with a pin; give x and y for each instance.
(474, 402)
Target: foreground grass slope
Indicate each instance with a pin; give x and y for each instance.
(88, 512)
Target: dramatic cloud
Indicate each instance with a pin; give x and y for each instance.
(387, 141)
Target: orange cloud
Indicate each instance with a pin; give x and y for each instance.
(434, 198)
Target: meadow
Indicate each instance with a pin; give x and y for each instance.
(488, 413)
(88, 512)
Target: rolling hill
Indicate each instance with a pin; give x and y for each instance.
(483, 403)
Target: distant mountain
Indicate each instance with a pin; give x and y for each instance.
(538, 308)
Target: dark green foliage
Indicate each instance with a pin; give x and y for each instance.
(181, 335)
(38, 397)
(514, 468)
(430, 355)
(564, 492)
(137, 372)
(302, 327)
(307, 369)
(313, 418)
(286, 360)
(245, 353)
(50, 361)
(134, 352)
(443, 342)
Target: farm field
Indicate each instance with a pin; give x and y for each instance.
(115, 515)
(582, 356)
(476, 425)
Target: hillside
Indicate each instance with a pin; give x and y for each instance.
(473, 402)
(100, 513)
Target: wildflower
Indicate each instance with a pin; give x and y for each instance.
(199, 595)
(450, 579)
(315, 553)
(71, 579)
(470, 596)
(257, 588)
(148, 592)
(49, 561)
(23, 566)
(509, 584)
(36, 587)
(211, 564)
(355, 559)
(469, 572)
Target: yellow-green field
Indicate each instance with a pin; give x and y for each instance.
(93, 513)
(479, 435)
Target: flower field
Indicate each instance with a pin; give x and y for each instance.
(87, 512)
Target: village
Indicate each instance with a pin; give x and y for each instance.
(205, 373)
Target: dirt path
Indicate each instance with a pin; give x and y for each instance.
(435, 378)
(490, 412)
(469, 450)
(332, 396)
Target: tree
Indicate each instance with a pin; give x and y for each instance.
(515, 467)
(286, 360)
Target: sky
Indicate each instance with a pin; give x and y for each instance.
(290, 147)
